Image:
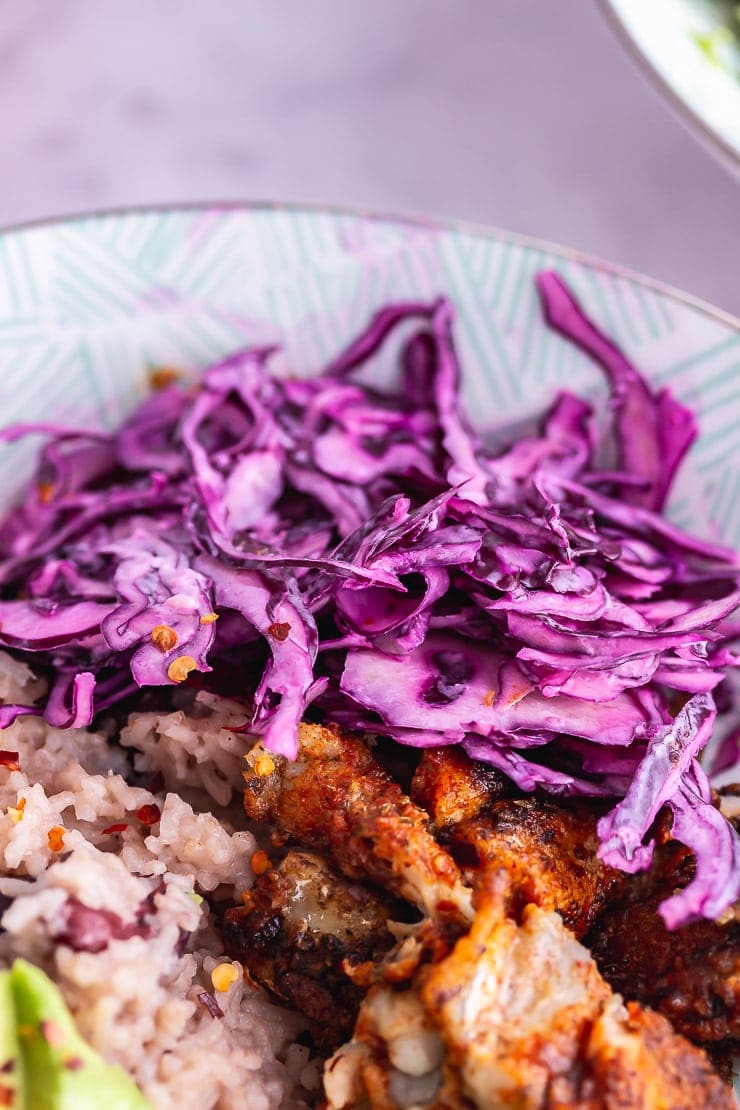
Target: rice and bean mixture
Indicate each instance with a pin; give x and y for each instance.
(110, 887)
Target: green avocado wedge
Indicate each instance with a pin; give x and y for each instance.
(56, 1068)
(12, 1085)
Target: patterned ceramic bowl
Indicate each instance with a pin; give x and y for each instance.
(88, 305)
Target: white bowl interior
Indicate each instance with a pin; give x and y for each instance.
(701, 80)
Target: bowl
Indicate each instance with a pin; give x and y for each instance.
(89, 305)
(687, 49)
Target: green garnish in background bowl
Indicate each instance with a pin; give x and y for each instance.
(718, 43)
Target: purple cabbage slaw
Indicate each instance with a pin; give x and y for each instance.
(321, 543)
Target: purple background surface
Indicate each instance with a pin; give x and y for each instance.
(526, 114)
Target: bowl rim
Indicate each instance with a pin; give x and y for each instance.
(414, 220)
(713, 141)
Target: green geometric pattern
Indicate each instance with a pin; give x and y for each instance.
(87, 305)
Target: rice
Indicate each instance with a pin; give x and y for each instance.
(117, 916)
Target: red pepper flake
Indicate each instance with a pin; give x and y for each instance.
(279, 631)
(164, 637)
(180, 668)
(73, 1063)
(8, 1067)
(238, 730)
(149, 814)
(55, 837)
(263, 764)
(206, 999)
(162, 376)
(260, 862)
(45, 491)
(223, 975)
(10, 760)
(117, 828)
(52, 1033)
(7, 1096)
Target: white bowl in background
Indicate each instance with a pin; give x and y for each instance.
(701, 82)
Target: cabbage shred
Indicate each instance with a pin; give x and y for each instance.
(321, 546)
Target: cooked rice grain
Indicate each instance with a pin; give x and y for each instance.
(137, 1000)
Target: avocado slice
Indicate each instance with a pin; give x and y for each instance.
(12, 1084)
(62, 1071)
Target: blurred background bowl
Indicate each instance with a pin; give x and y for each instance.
(690, 51)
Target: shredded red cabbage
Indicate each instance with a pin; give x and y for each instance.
(318, 542)
(85, 929)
